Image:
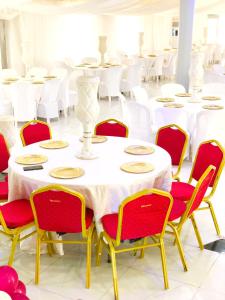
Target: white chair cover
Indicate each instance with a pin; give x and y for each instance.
(139, 121)
(5, 100)
(209, 125)
(59, 72)
(48, 106)
(169, 68)
(8, 73)
(170, 89)
(110, 83)
(131, 77)
(140, 95)
(89, 60)
(24, 101)
(37, 72)
(156, 69)
(7, 128)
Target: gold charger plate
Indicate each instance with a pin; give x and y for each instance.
(54, 144)
(213, 107)
(173, 105)
(93, 67)
(165, 99)
(31, 159)
(152, 55)
(6, 82)
(139, 150)
(95, 139)
(211, 98)
(38, 82)
(137, 167)
(66, 172)
(183, 95)
(11, 79)
(49, 77)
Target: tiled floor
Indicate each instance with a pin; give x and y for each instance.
(63, 277)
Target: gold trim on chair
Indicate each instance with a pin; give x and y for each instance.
(30, 123)
(176, 176)
(114, 121)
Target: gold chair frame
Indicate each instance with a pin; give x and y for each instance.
(158, 241)
(29, 123)
(45, 237)
(115, 121)
(7, 146)
(179, 225)
(207, 199)
(176, 176)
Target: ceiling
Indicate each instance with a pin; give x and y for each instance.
(10, 8)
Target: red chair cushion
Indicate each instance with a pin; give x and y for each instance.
(36, 132)
(89, 217)
(4, 157)
(110, 223)
(6, 178)
(182, 191)
(177, 210)
(111, 129)
(3, 190)
(17, 213)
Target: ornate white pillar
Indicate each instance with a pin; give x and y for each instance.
(102, 47)
(87, 112)
(185, 42)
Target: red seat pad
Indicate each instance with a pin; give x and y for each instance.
(177, 210)
(3, 190)
(17, 213)
(182, 191)
(89, 217)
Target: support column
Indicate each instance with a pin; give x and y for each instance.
(185, 41)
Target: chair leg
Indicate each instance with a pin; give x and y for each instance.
(180, 247)
(49, 234)
(88, 267)
(214, 217)
(38, 252)
(142, 254)
(114, 271)
(99, 251)
(49, 248)
(13, 249)
(163, 258)
(196, 232)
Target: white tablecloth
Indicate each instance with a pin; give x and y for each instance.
(104, 185)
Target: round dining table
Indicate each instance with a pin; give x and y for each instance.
(104, 184)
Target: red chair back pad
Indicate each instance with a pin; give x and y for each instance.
(111, 129)
(36, 132)
(208, 154)
(4, 154)
(144, 216)
(58, 211)
(202, 188)
(172, 140)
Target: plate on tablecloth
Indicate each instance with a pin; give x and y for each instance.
(66, 172)
(139, 150)
(95, 139)
(54, 144)
(31, 159)
(165, 99)
(137, 167)
(174, 105)
(211, 98)
(213, 107)
(183, 95)
(50, 77)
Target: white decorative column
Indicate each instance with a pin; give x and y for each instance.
(185, 42)
(87, 112)
(141, 43)
(196, 73)
(102, 47)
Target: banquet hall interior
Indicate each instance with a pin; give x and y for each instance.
(112, 149)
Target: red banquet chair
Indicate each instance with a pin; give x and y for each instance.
(66, 213)
(15, 217)
(149, 210)
(174, 140)
(111, 127)
(35, 131)
(182, 211)
(209, 153)
(4, 157)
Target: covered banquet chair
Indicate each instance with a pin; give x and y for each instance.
(174, 140)
(131, 77)
(111, 127)
(35, 131)
(149, 210)
(182, 211)
(37, 72)
(213, 89)
(4, 157)
(66, 213)
(209, 153)
(170, 89)
(15, 217)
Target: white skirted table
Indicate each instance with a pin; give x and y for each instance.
(103, 184)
